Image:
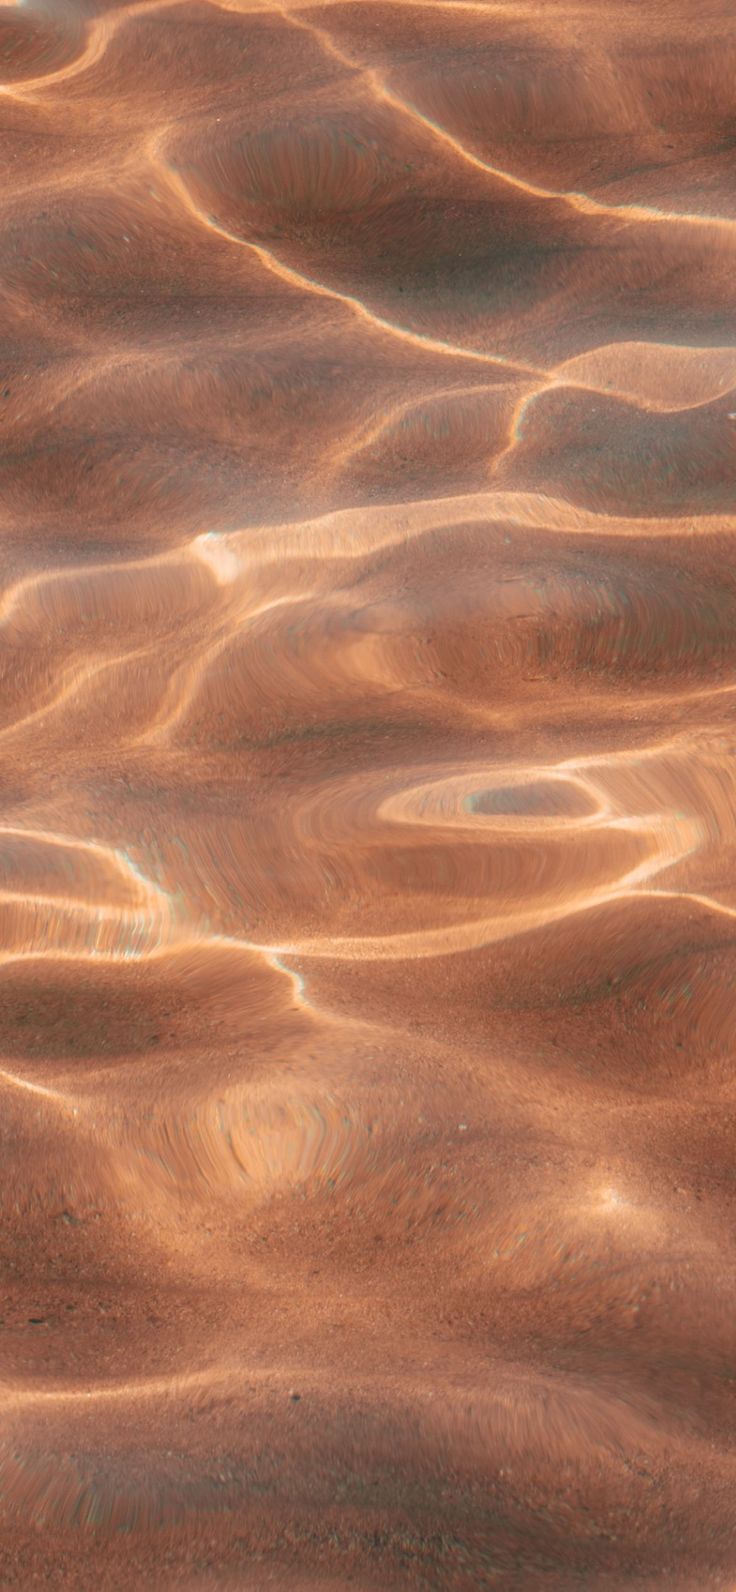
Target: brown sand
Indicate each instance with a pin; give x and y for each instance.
(368, 849)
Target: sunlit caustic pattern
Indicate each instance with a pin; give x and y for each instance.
(368, 795)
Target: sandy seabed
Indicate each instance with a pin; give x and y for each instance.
(368, 796)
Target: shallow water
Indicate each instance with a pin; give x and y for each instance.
(367, 836)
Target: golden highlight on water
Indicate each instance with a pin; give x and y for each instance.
(368, 796)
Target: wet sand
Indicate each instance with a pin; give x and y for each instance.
(367, 840)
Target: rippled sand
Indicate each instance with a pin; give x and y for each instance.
(368, 775)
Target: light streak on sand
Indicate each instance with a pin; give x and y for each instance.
(367, 795)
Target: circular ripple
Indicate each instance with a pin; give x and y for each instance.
(540, 799)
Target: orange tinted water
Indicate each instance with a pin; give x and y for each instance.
(368, 776)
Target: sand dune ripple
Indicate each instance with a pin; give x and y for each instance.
(368, 778)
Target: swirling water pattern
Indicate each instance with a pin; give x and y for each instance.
(368, 836)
